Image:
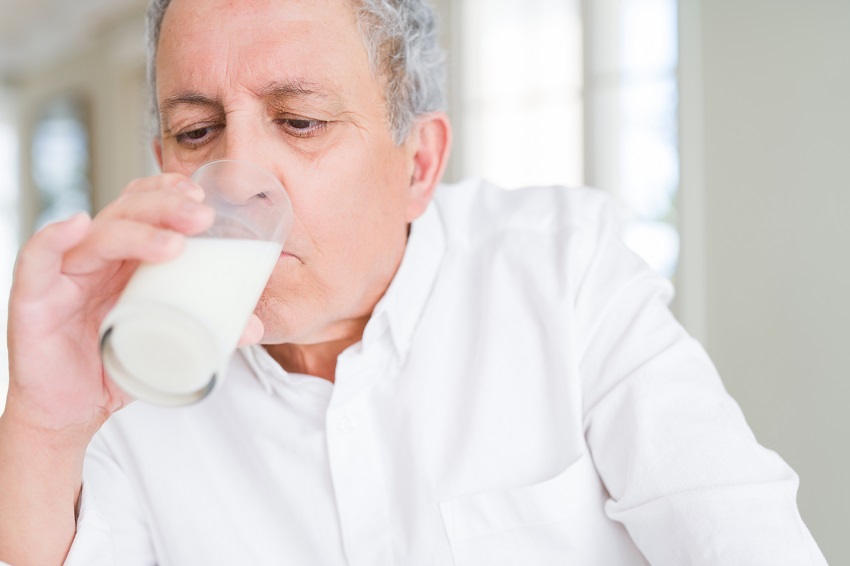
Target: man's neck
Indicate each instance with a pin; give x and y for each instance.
(316, 359)
(319, 359)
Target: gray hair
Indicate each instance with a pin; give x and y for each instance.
(401, 39)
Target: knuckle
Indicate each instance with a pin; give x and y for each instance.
(171, 180)
(115, 240)
(148, 233)
(102, 235)
(112, 233)
(176, 207)
(164, 207)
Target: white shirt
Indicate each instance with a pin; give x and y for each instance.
(521, 396)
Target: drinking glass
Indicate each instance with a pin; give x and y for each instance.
(169, 338)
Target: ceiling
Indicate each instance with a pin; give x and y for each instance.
(34, 32)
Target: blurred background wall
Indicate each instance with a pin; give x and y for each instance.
(776, 93)
(721, 127)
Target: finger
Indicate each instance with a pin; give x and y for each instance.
(39, 263)
(171, 182)
(173, 210)
(111, 241)
(253, 333)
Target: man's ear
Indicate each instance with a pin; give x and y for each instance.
(156, 146)
(431, 140)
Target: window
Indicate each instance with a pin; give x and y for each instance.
(649, 157)
(520, 113)
(60, 161)
(575, 93)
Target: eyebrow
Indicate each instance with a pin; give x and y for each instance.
(191, 98)
(185, 99)
(275, 91)
(280, 91)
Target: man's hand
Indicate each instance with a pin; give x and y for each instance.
(67, 277)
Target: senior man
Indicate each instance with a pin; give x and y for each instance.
(474, 377)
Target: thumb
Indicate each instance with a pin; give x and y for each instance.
(39, 263)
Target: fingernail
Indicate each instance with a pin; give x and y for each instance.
(186, 186)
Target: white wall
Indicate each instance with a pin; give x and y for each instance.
(776, 92)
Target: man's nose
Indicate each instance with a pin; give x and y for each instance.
(253, 144)
(256, 142)
(243, 141)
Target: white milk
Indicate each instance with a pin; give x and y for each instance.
(177, 323)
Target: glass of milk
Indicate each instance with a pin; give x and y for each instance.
(170, 336)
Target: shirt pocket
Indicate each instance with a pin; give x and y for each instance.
(541, 524)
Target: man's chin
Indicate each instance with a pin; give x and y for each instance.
(280, 328)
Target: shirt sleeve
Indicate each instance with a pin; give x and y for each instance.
(112, 529)
(684, 472)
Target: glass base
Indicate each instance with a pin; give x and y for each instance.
(159, 354)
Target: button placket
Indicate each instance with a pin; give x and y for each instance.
(355, 460)
(346, 425)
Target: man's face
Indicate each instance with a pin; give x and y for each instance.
(287, 84)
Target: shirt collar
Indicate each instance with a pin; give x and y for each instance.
(402, 304)
(258, 360)
(408, 292)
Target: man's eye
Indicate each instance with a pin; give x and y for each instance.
(302, 127)
(195, 138)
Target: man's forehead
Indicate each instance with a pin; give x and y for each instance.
(261, 24)
(282, 48)
(247, 11)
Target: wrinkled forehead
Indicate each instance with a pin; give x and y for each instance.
(220, 44)
(206, 13)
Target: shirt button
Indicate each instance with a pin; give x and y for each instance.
(346, 425)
